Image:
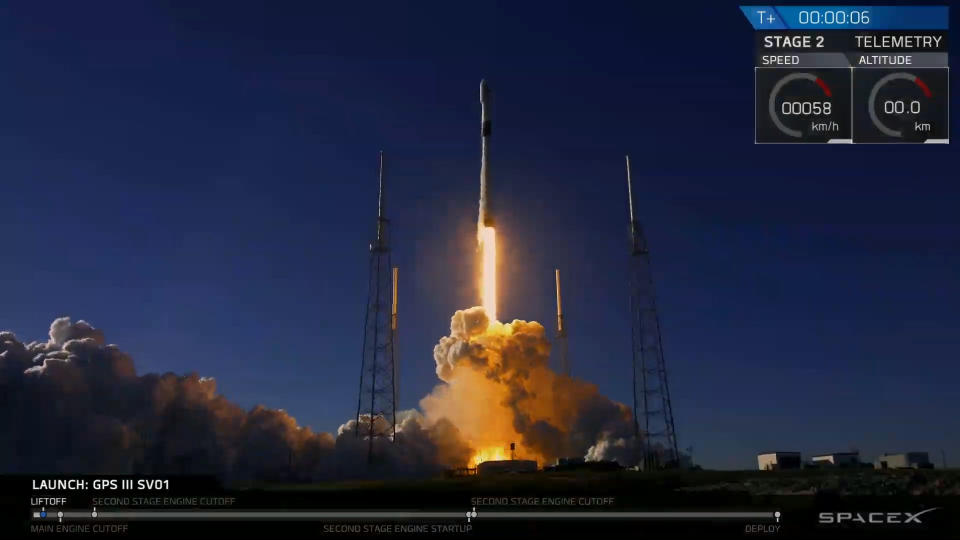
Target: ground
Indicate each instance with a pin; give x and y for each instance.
(639, 486)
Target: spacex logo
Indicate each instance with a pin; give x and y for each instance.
(872, 518)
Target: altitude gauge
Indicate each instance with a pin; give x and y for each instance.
(901, 105)
(803, 105)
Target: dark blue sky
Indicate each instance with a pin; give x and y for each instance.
(199, 181)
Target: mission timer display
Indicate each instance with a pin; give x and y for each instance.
(851, 74)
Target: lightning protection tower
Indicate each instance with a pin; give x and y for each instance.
(652, 410)
(376, 403)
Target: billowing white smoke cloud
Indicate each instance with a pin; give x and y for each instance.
(74, 404)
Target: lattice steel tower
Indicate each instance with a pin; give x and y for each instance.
(652, 411)
(376, 404)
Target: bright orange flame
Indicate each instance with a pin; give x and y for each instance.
(488, 269)
(491, 453)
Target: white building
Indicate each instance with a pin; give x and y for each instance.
(774, 461)
(904, 460)
(837, 459)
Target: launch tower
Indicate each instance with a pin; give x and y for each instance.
(376, 403)
(652, 411)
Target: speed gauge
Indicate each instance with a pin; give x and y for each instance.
(803, 105)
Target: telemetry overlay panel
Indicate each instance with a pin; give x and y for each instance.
(851, 74)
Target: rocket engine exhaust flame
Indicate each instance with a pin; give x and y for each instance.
(488, 272)
(491, 453)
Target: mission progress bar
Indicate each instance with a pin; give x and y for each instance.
(156, 515)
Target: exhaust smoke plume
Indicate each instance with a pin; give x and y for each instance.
(500, 389)
(74, 404)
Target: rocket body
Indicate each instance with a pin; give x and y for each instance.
(485, 216)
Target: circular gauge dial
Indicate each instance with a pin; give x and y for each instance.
(801, 105)
(777, 108)
(898, 102)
